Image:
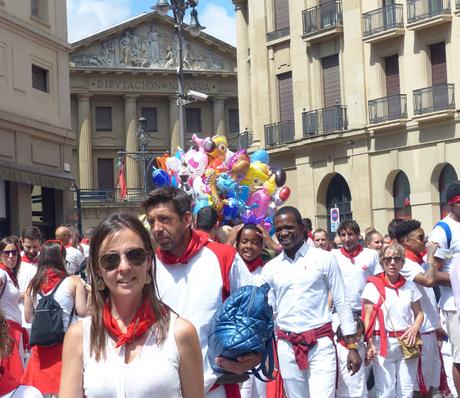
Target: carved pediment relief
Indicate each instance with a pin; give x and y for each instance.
(150, 47)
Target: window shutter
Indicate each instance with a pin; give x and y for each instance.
(285, 97)
(105, 173)
(392, 75)
(150, 115)
(281, 14)
(438, 64)
(331, 80)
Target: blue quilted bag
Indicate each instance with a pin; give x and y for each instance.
(243, 324)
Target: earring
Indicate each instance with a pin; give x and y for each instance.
(100, 284)
(148, 279)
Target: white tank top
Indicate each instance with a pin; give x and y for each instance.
(9, 300)
(65, 300)
(153, 373)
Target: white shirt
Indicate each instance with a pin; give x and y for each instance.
(446, 302)
(153, 373)
(194, 291)
(399, 306)
(23, 392)
(9, 300)
(27, 271)
(355, 275)
(428, 300)
(73, 259)
(300, 288)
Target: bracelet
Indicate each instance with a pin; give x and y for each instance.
(352, 346)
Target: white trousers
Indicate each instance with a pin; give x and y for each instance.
(394, 375)
(253, 388)
(318, 380)
(431, 362)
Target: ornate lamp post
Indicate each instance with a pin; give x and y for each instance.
(179, 7)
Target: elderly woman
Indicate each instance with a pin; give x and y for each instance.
(391, 312)
(132, 345)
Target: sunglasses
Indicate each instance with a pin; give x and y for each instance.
(10, 252)
(396, 259)
(111, 261)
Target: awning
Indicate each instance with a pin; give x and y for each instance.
(34, 175)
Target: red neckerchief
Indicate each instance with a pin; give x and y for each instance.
(380, 282)
(198, 239)
(142, 321)
(351, 255)
(26, 259)
(455, 199)
(10, 273)
(254, 264)
(414, 257)
(84, 241)
(7, 382)
(52, 278)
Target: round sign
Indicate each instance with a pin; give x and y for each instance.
(334, 215)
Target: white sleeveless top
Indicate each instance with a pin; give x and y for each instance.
(153, 373)
(9, 300)
(65, 300)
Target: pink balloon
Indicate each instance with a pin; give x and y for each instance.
(262, 199)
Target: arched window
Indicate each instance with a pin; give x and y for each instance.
(447, 177)
(401, 195)
(338, 196)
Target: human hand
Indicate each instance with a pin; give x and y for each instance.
(354, 361)
(410, 335)
(267, 239)
(371, 353)
(242, 364)
(441, 334)
(231, 238)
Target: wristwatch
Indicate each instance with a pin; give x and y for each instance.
(352, 346)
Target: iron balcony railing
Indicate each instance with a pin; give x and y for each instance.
(278, 34)
(434, 99)
(418, 10)
(386, 109)
(245, 140)
(325, 120)
(279, 133)
(110, 195)
(322, 17)
(383, 19)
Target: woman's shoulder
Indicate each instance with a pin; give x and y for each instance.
(184, 331)
(76, 330)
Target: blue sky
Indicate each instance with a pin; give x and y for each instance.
(85, 17)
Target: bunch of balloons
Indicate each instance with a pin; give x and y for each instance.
(240, 187)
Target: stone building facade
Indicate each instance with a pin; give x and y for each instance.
(360, 102)
(35, 136)
(129, 71)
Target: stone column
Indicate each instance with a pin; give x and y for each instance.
(219, 116)
(243, 62)
(174, 124)
(85, 147)
(132, 167)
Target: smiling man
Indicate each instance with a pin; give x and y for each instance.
(301, 278)
(195, 275)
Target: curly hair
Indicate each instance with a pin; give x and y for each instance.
(404, 228)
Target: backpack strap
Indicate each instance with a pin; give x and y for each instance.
(270, 355)
(53, 291)
(447, 231)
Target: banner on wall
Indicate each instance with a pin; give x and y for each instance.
(2, 199)
(335, 219)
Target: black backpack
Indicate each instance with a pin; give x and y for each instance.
(47, 325)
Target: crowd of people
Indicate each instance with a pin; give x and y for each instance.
(126, 311)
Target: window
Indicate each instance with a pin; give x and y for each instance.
(233, 121)
(103, 118)
(401, 196)
(331, 80)
(286, 99)
(105, 173)
(39, 9)
(40, 78)
(150, 115)
(447, 177)
(281, 14)
(193, 120)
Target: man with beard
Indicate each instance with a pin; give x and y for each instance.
(194, 276)
(301, 278)
(356, 262)
(31, 242)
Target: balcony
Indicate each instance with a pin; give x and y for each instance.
(388, 111)
(278, 34)
(434, 102)
(427, 13)
(323, 22)
(279, 133)
(99, 196)
(245, 139)
(326, 120)
(383, 23)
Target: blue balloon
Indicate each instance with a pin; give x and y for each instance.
(261, 155)
(160, 178)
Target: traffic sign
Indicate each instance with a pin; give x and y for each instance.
(335, 218)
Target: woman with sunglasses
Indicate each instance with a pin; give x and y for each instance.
(10, 261)
(133, 345)
(44, 368)
(392, 312)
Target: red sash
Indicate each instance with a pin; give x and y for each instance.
(7, 382)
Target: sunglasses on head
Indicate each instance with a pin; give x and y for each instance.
(10, 252)
(111, 261)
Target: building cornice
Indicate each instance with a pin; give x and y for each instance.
(149, 72)
(32, 32)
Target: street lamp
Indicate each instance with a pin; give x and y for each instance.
(179, 7)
